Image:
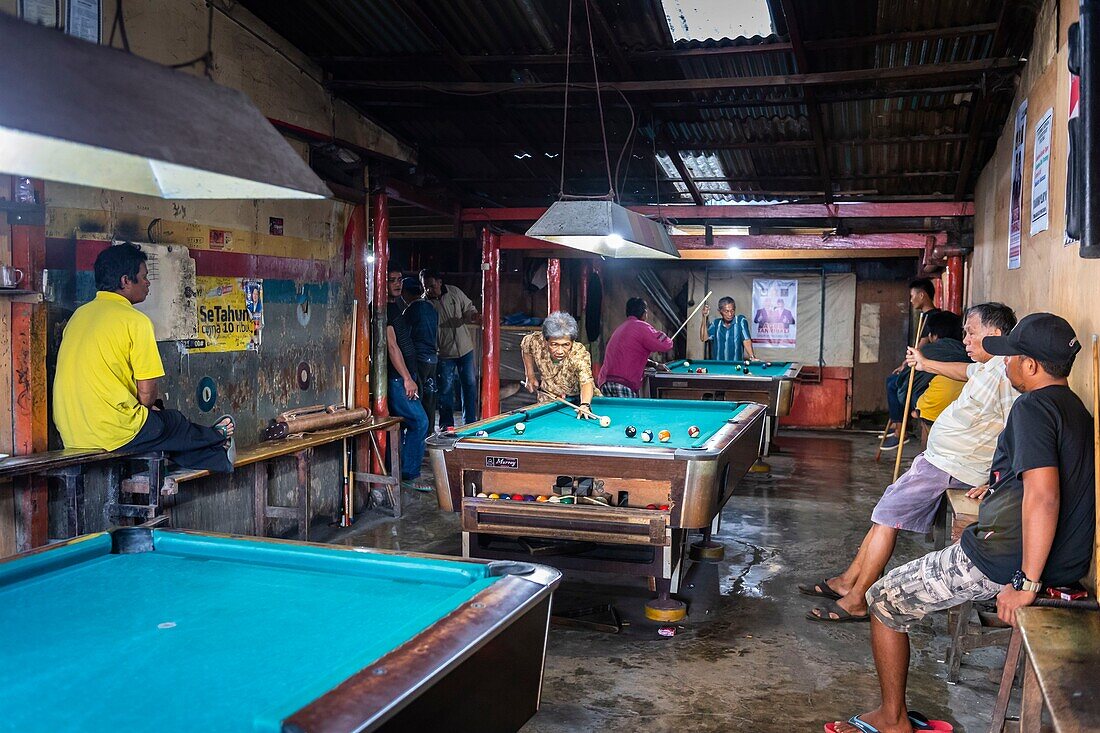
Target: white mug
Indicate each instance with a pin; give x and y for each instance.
(10, 277)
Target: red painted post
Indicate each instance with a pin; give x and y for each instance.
(490, 319)
(953, 283)
(379, 381)
(553, 285)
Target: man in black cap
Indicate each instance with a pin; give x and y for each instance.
(1035, 525)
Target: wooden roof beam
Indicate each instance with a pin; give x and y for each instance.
(813, 110)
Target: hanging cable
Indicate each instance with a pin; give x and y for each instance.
(207, 59)
(119, 23)
(599, 101)
(628, 142)
(565, 116)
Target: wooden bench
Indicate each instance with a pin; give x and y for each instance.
(301, 449)
(67, 466)
(1061, 666)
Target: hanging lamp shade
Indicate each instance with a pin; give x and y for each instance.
(81, 113)
(604, 228)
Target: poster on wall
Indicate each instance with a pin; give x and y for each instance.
(230, 312)
(1016, 202)
(39, 12)
(1040, 175)
(774, 303)
(84, 20)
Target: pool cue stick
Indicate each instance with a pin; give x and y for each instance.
(1096, 430)
(691, 315)
(908, 400)
(567, 403)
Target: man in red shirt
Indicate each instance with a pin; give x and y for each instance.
(627, 353)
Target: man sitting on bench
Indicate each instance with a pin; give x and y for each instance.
(960, 449)
(1035, 526)
(105, 385)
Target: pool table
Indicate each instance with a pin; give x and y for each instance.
(769, 383)
(149, 629)
(669, 487)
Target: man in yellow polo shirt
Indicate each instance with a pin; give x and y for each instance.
(105, 385)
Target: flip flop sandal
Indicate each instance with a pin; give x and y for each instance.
(843, 617)
(820, 590)
(922, 722)
(857, 722)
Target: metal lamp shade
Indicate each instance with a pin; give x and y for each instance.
(79, 113)
(604, 228)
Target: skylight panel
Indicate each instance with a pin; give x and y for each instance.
(698, 20)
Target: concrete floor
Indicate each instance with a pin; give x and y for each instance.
(746, 658)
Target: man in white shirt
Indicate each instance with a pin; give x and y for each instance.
(456, 348)
(959, 453)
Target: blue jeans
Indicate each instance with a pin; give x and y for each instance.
(896, 408)
(413, 430)
(463, 368)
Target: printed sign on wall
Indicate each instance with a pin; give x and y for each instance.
(774, 303)
(1016, 202)
(230, 313)
(1040, 175)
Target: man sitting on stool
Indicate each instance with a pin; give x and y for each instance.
(105, 386)
(1035, 527)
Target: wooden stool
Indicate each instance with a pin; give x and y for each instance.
(966, 635)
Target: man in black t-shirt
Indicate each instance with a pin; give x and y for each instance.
(404, 399)
(1035, 526)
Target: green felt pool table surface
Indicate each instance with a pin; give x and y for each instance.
(206, 632)
(726, 368)
(553, 422)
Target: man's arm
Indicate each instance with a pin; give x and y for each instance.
(1042, 499)
(529, 372)
(951, 369)
(704, 335)
(398, 360)
(147, 391)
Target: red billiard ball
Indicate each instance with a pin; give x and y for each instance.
(650, 506)
(703, 370)
(699, 370)
(517, 497)
(663, 507)
(693, 431)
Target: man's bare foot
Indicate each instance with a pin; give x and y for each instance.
(876, 718)
(839, 585)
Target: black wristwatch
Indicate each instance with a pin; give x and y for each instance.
(1021, 582)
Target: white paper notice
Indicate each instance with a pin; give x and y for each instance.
(84, 20)
(1040, 175)
(1016, 195)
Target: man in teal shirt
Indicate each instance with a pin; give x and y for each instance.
(730, 333)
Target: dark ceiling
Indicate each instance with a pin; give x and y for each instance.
(869, 100)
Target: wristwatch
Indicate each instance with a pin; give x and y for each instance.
(1020, 582)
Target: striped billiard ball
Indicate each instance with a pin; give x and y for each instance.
(520, 427)
(664, 436)
(693, 431)
(647, 436)
(481, 434)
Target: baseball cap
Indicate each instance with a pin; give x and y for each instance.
(412, 285)
(1042, 336)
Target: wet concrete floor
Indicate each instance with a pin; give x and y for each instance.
(745, 659)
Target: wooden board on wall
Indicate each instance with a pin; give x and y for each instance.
(7, 500)
(891, 299)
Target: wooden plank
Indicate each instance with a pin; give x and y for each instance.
(7, 499)
(47, 461)
(1062, 646)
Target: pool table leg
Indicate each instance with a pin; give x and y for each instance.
(664, 607)
(706, 549)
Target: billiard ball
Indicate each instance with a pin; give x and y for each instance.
(687, 365)
(663, 507)
(520, 427)
(699, 370)
(664, 436)
(631, 431)
(542, 499)
(555, 499)
(737, 367)
(517, 497)
(507, 497)
(747, 371)
(703, 370)
(481, 434)
(767, 364)
(528, 497)
(482, 495)
(650, 506)
(494, 496)
(693, 431)
(567, 500)
(605, 421)
(647, 436)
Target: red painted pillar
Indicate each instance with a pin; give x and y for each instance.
(490, 319)
(953, 283)
(379, 380)
(553, 285)
(28, 379)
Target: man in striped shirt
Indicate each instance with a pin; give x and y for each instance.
(730, 333)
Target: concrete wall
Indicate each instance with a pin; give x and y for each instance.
(1052, 277)
(303, 264)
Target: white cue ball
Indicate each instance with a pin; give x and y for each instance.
(520, 427)
(605, 422)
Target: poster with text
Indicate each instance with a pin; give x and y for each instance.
(1074, 200)
(230, 313)
(774, 303)
(1040, 175)
(1016, 202)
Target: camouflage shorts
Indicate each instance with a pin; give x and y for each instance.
(936, 582)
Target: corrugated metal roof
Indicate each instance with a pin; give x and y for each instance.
(884, 139)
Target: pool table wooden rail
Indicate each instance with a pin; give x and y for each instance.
(579, 522)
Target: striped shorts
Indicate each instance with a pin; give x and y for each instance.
(936, 582)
